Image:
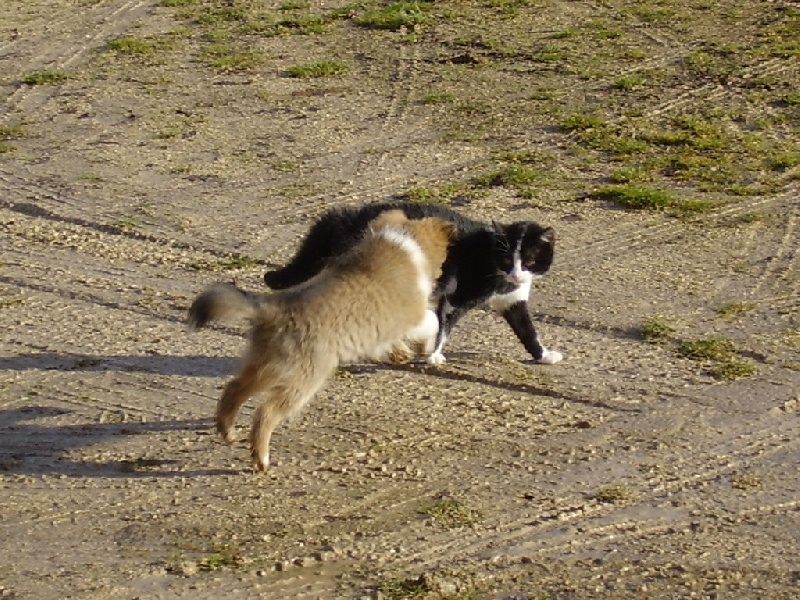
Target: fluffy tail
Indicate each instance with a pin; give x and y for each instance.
(221, 301)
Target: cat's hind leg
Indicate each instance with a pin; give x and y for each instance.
(281, 402)
(248, 383)
(425, 332)
(419, 340)
(448, 316)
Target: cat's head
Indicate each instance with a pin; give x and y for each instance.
(523, 250)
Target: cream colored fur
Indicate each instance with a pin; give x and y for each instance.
(364, 305)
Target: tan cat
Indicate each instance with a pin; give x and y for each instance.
(363, 305)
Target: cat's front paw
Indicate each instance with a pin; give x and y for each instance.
(550, 357)
(437, 358)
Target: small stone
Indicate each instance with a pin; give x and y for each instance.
(324, 555)
(188, 568)
(304, 561)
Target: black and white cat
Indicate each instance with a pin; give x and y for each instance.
(494, 264)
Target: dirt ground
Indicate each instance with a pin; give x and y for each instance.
(143, 157)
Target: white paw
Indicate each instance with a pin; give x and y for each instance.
(262, 463)
(550, 357)
(437, 358)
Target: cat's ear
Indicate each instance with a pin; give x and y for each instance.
(549, 236)
(498, 227)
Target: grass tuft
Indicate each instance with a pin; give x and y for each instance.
(614, 494)
(711, 348)
(131, 45)
(733, 309)
(45, 78)
(655, 330)
(325, 68)
(747, 481)
(228, 58)
(515, 175)
(582, 122)
(394, 15)
(636, 197)
(398, 589)
(450, 513)
(226, 264)
(732, 369)
(438, 98)
(628, 82)
(11, 132)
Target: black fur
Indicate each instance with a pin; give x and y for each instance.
(518, 318)
(478, 262)
(474, 272)
(340, 229)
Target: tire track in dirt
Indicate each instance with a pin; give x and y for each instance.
(773, 285)
(43, 205)
(622, 239)
(714, 91)
(40, 201)
(676, 49)
(398, 100)
(57, 383)
(389, 187)
(639, 529)
(784, 256)
(76, 32)
(722, 458)
(99, 241)
(87, 298)
(709, 92)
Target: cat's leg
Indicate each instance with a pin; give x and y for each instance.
(448, 316)
(400, 354)
(246, 384)
(425, 333)
(442, 310)
(419, 340)
(518, 317)
(282, 401)
(266, 418)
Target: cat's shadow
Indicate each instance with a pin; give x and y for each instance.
(158, 364)
(452, 372)
(31, 445)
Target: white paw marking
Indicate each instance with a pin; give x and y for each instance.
(263, 462)
(550, 357)
(437, 358)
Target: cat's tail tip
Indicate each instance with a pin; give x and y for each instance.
(220, 301)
